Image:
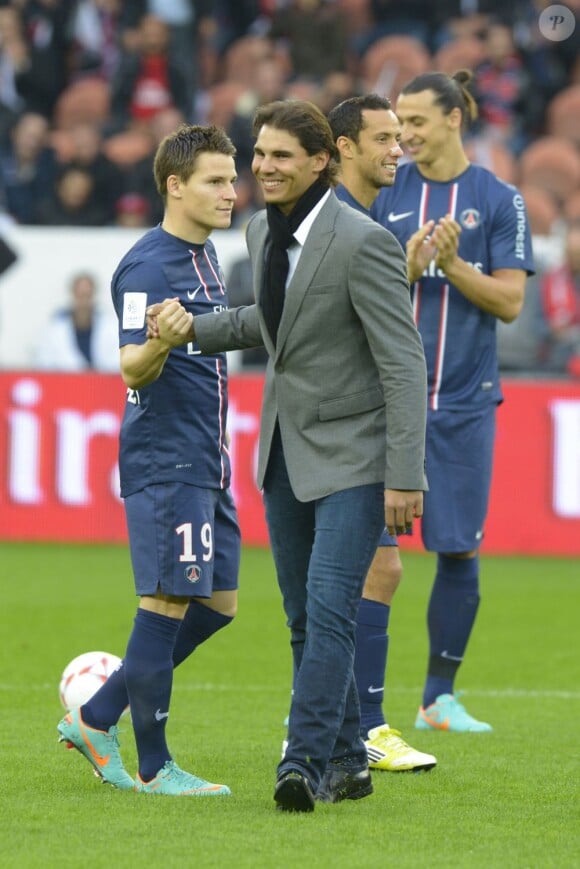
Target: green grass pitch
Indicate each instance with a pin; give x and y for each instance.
(505, 799)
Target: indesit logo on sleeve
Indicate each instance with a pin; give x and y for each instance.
(521, 226)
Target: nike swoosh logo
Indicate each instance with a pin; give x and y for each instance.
(191, 295)
(438, 725)
(449, 657)
(392, 218)
(159, 715)
(372, 690)
(99, 759)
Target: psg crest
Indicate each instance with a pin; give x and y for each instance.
(470, 218)
(192, 573)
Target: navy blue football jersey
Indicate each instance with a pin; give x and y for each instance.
(459, 338)
(346, 196)
(173, 430)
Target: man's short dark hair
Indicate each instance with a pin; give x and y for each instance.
(178, 152)
(346, 119)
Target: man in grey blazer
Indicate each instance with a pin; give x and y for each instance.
(342, 431)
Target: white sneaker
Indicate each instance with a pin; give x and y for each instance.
(387, 751)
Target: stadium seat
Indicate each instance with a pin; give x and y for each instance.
(391, 62)
(553, 164)
(85, 100)
(563, 114)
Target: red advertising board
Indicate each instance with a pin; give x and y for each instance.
(58, 448)
(535, 496)
(59, 476)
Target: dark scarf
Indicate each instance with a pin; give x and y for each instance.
(282, 228)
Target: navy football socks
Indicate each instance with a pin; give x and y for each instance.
(108, 704)
(149, 678)
(199, 624)
(450, 618)
(372, 643)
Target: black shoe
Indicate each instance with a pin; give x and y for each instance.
(341, 783)
(294, 793)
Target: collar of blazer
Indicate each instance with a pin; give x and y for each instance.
(319, 238)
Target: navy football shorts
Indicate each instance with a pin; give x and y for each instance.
(184, 540)
(459, 457)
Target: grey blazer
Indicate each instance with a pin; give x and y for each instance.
(347, 380)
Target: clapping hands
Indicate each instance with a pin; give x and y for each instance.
(438, 241)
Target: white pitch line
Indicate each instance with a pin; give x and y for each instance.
(516, 693)
(504, 693)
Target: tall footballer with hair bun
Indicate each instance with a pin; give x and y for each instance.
(468, 246)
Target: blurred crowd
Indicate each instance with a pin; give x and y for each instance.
(88, 88)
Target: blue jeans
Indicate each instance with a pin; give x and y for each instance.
(322, 551)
